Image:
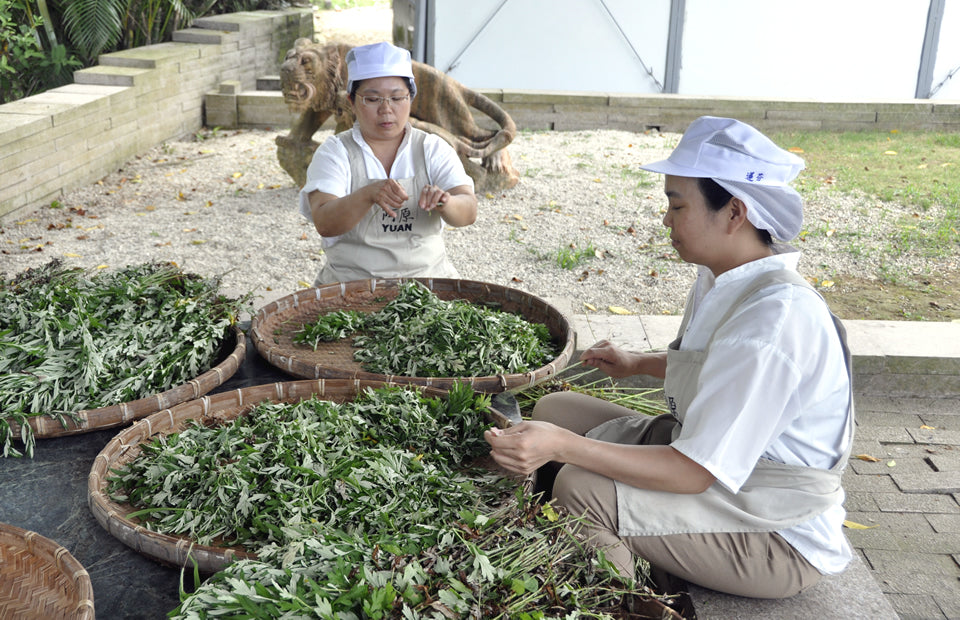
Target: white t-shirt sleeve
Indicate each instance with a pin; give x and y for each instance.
(328, 172)
(445, 170)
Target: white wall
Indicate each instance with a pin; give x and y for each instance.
(832, 50)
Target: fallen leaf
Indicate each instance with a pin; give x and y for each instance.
(517, 217)
(259, 185)
(889, 152)
(618, 310)
(927, 428)
(237, 175)
(489, 195)
(102, 266)
(516, 279)
(198, 241)
(795, 149)
(303, 237)
(589, 307)
(867, 457)
(303, 283)
(827, 284)
(891, 463)
(189, 230)
(853, 525)
(72, 255)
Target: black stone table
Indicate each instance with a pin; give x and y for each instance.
(48, 495)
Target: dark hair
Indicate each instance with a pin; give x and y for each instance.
(356, 85)
(717, 197)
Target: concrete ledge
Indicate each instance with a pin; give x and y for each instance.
(893, 358)
(851, 595)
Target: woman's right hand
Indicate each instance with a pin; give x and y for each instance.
(388, 194)
(617, 363)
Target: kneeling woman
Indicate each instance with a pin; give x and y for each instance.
(738, 487)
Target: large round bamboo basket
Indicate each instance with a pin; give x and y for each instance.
(232, 353)
(40, 579)
(213, 409)
(273, 327)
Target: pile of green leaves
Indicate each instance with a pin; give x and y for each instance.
(380, 464)
(367, 509)
(517, 560)
(419, 334)
(70, 342)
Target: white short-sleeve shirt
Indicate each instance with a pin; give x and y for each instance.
(774, 385)
(329, 171)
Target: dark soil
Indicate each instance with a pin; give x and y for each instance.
(932, 299)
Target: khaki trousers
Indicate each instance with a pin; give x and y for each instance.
(756, 564)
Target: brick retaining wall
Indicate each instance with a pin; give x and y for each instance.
(133, 100)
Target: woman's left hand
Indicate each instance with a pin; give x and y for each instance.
(432, 197)
(525, 447)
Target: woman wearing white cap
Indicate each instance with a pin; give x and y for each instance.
(380, 193)
(738, 487)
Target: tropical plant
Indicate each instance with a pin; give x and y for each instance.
(31, 58)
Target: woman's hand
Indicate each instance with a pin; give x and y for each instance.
(432, 197)
(609, 358)
(617, 363)
(525, 447)
(388, 195)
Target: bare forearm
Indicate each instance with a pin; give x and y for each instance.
(334, 216)
(657, 468)
(460, 209)
(653, 364)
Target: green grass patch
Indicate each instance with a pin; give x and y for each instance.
(570, 256)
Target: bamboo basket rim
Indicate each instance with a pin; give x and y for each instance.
(181, 551)
(296, 362)
(46, 426)
(54, 579)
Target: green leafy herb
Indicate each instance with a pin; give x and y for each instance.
(70, 342)
(329, 327)
(419, 334)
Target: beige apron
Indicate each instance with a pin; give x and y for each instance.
(408, 245)
(775, 496)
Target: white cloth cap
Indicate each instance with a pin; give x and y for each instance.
(379, 60)
(747, 164)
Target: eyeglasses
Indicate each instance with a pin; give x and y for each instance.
(375, 102)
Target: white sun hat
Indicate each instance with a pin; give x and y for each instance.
(747, 164)
(379, 60)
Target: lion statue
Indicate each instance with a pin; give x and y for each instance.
(314, 77)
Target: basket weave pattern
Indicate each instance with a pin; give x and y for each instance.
(124, 413)
(40, 579)
(214, 409)
(273, 327)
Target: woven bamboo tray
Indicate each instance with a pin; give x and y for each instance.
(273, 326)
(232, 353)
(40, 579)
(213, 409)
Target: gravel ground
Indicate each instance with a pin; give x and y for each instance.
(219, 204)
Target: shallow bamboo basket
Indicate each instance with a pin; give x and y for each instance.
(215, 409)
(40, 579)
(273, 327)
(232, 353)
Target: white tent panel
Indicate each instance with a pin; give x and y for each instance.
(817, 49)
(558, 45)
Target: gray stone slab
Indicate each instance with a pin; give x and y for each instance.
(890, 464)
(892, 521)
(944, 522)
(942, 421)
(868, 484)
(945, 459)
(887, 418)
(884, 434)
(915, 606)
(912, 542)
(935, 436)
(921, 502)
(851, 595)
(930, 482)
(860, 502)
